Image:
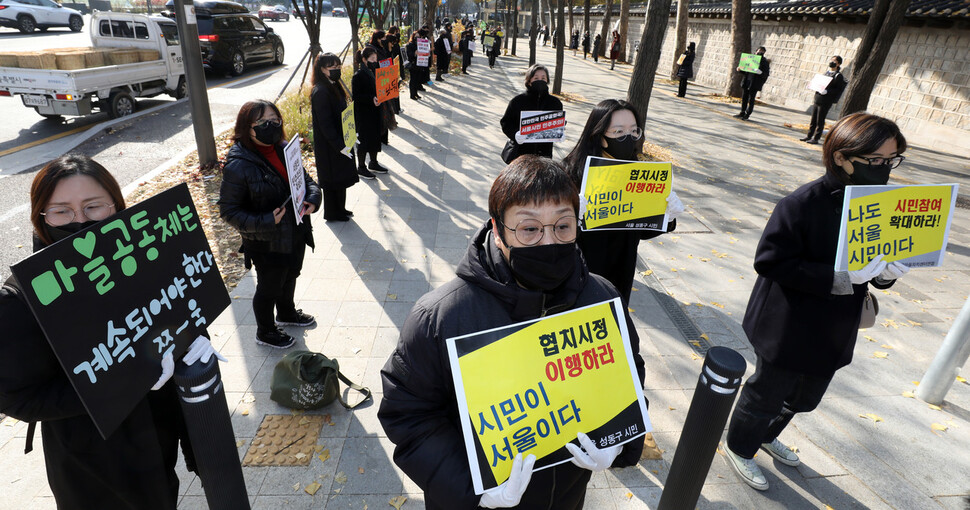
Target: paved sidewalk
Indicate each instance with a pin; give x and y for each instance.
(411, 228)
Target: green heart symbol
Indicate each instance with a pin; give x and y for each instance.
(85, 244)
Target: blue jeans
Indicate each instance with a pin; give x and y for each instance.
(769, 400)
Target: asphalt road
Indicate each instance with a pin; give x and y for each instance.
(134, 148)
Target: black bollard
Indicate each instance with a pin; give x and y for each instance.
(716, 388)
(203, 400)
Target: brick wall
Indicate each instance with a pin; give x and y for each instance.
(924, 86)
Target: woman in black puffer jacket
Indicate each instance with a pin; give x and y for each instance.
(255, 199)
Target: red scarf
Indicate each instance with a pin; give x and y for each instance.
(269, 152)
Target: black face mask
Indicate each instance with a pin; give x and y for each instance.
(622, 149)
(269, 133)
(543, 267)
(373, 66)
(334, 74)
(864, 174)
(833, 65)
(539, 87)
(64, 231)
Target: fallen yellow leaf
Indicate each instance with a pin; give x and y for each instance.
(296, 486)
(887, 346)
(880, 354)
(648, 272)
(240, 443)
(392, 296)
(340, 477)
(915, 383)
(628, 495)
(397, 501)
(304, 420)
(871, 416)
(324, 455)
(909, 394)
(631, 310)
(245, 412)
(869, 338)
(318, 448)
(312, 488)
(694, 356)
(934, 407)
(360, 470)
(705, 337)
(672, 408)
(961, 379)
(938, 427)
(828, 508)
(300, 456)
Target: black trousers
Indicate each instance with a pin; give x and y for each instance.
(682, 89)
(491, 57)
(334, 203)
(276, 275)
(818, 113)
(768, 402)
(747, 101)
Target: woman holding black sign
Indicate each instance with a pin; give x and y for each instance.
(803, 316)
(255, 199)
(535, 98)
(614, 130)
(134, 468)
(335, 161)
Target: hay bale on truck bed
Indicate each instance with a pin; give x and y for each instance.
(37, 60)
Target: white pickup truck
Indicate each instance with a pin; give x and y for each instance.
(110, 88)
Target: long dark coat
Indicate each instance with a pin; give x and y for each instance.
(793, 320)
(510, 122)
(441, 55)
(466, 54)
(367, 116)
(686, 70)
(334, 170)
(833, 90)
(597, 44)
(133, 469)
(419, 412)
(586, 43)
(754, 81)
(251, 190)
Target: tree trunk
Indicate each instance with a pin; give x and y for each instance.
(543, 9)
(572, 27)
(867, 72)
(645, 67)
(534, 32)
(624, 27)
(560, 47)
(740, 43)
(586, 6)
(681, 43)
(430, 6)
(605, 29)
(515, 27)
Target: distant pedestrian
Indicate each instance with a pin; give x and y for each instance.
(803, 316)
(442, 54)
(496, 47)
(614, 49)
(367, 115)
(685, 71)
(335, 161)
(536, 98)
(825, 99)
(255, 199)
(394, 48)
(574, 41)
(545, 34)
(414, 74)
(467, 39)
(586, 44)
(752, 83)
(597, 47)
(614, 130)
(485, 49)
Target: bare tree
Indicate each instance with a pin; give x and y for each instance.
(605, 29)
(740, 43)
(543, 9)
(881, 30)
(681, 42)
(378, 11)
(624, 27)
(572, 27)
(645, 67)
(560, 44)
(515, 26)
(586, 6)
(430, 7)
(534, 32)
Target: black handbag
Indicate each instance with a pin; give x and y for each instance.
(510, 152)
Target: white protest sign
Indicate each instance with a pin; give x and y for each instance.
(294, 170)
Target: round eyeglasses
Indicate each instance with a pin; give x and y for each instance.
(529, 232)
(620, 134)
(893, 162)
(271, 122)
(61, 215)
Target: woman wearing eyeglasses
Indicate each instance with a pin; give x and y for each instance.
(335, 161)
(255, 199)
(134, 468)
(803, 316)
(614, 130)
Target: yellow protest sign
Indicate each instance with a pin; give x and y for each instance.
(624, 195)
(909, 224)
(530, 387)
(349, 126)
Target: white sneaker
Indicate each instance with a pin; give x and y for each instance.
(781, 452)
(747, 469)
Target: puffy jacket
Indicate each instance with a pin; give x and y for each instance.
(419, 411)
(251, 190)
(511, 121)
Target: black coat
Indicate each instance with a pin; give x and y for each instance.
(586, 43)
(334, 170)
(133, 469)
(419, 412)
(511, 120)
(793, 320)
(833, 91)
(251, 190)
(466, 54)
(597, 45)
(441, 54)
(754, 81)
(686, 70)
(368, 117)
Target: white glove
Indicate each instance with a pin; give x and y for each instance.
(674, 206)
(872, 270)
(823, 92)
(893, 271)
(202, 349)
(346, 152)
(758, 71)
(510, 491)
(593, 459)
(519, 137)
(168, 368)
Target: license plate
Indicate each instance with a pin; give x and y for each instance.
(35, 100)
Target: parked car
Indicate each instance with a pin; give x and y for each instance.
(232, 39)
(275, 13)
(339, 12)
(28, 15)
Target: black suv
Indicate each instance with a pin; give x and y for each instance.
(232, 38)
